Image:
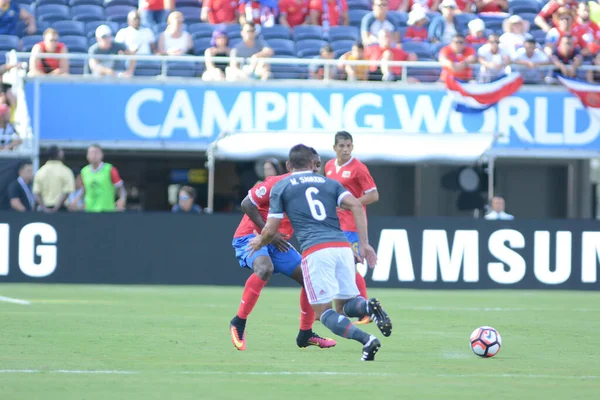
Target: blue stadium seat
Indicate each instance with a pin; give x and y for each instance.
(356, 17)
(233, 30)
(304, 32)
(421, 49)
(118, 13)
(52, 9)
(343, 33)
(75, 44)
(400, 18)
(9, 42)
(342, 46)
(530, 17)
(64, 28)
(200, 30)
(190, 14)
(521, 6)
(464, 18)
(283, 47)
(276, 32)
(309, 47)
(402, 30)
(39, 3)
(539, 36)
(88, 10)
(74, 3)
(24, 2)
(359, 5)
(27, 42)
(186, 3)
(132, 3)
(90, 27)
(183, 69)
(288, 71)
(76, 67)
(200, 46)
(148, 68)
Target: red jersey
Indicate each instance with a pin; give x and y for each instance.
(491, 7)
(335, 14)
(296, 11)
(467, 73)
(585, 34)
(375, 53)
(552, 6)
(414, 33)
(154, 5)
(355, 177)
(221, 11)
(50, 64)
(259, 195)
(476, 40)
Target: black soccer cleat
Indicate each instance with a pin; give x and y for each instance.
(370, 349)
(380, 317)
(309, 338)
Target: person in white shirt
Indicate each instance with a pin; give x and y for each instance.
(498, 212)
(494, 59)
(139, 40)
(516, 31)
(530, 59)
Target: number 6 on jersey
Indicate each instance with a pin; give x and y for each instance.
(317, 209)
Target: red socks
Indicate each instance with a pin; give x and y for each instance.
(307, 314)
(252, 290)
(362, 285)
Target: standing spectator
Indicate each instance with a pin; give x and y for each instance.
(138, 39)
(491, 6)
(106, 45)
(50, 66)
(585, 31)
(416, 30)
(545, 19)
(465, 6)
(563, 25)
(215, 70)
(259, 12)
(476, 32)
(456, 59)
(9, 138)
(19, 191)
(317, 71)
(498, 206)
(293, 13)
(219, 11)
(154, 12)
(327, 13)
(175, 41)
(427, 5)
(8, 99)
(516, 31)
(355, 72)
(530, 58)
(376, 21)
(493, 59)
(100, 180)
(566, 57)
(10, 14)
(385, 53)
(53, 182)
(186, 201)
(76, 200)
(251, 47)
(444, 27)
(272, 167)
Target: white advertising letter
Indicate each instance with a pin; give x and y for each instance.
(501, 244)
(132, 112)
(181, 116)
(46, 251)
(4, 249)
(590, 255)
(393, 241)
(541, 257)
(465, 253)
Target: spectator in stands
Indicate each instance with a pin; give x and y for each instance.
(498, 205)
(138, 39)
(219, 11)
(355, 72)
(186, 201)
(327, 13)
(594, 76)
(9, 138)
(376, 21)
(105, 45)
(530, 58)
(545, 18)
(494, 61)
(272, 167)
(175, 41)
(456, 59)
(585, 31)
(20, 192)
(465, 6)
(416, 30)
(293, 13)
(320, 71)
(444, 27)
(48, 66)
(53, 182)
(76, 200)
(219, 47)
(566, 57)
(491, 6)
(516, 31)
(385, 53)
(251, 47)
(259, 12)
(563, 25)
(476, 32)
(8, 98)
(427, 5)
(10, 14)
(154, 12)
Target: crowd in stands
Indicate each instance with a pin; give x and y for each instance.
(533, 36)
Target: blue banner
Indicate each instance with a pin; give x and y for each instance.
(193, 115)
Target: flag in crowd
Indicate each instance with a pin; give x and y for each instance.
(477, 97)
(587, 93)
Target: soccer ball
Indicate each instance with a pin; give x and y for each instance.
(485, 341)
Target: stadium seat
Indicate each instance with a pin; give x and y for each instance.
(356, 17)
(275, 32)
(288, 71)
(90, 27)
(24, 2)
(343, 33)
(464, 18)
(75, 44)
(539, 36)
(9, 42)
(74, 3)
(200, 30)
(359, 5)
(118, 13)
(183, 69)
(63, 28)
(421, 49)
(521, 6)
(304, 32)
(402, 31)
(200, 46)
(530, 17)
(190, 14)
(27, 42)
(342, 46)
(132, 3)
(76, 66)
(88, 10)
(400, 18)
(186, 3)
(39, 3)
(283, 47)
(41, 27)
(53, 9)
(309, 48)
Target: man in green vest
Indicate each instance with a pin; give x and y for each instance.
(100, 180)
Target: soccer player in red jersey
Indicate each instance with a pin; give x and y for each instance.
(278, 257)
(355, 177)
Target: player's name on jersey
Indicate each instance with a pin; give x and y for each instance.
(307, 179)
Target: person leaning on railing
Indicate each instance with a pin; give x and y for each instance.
(456, 59)
(215, 70)
(106, 45)
(46, 65)
(254, 48)
(175, 41)
(529, 59)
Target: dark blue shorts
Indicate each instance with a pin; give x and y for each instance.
(283, 262)
(353, 239)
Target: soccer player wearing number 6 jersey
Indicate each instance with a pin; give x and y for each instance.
(310, 201)
(355, 177)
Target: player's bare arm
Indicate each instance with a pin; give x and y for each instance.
(351, 203)
(369, 198)
(252, 212)
(267, 235)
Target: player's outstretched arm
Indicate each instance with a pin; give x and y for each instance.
(351, 203)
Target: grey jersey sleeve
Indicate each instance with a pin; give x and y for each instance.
(276, 209)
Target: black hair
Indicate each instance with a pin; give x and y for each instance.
(359, 45)
(189, 190)
(54, 153)
(275, 163)
(459, 36)
(343, 135)
(300, 156)
(97, 146)
(531, 40)
(498, 195)
(23, 164)
(327, 49)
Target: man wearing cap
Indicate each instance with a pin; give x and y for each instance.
(416, 30)
(476, 32)
(515, 32)
(375, 21)
(138, 39)
(107, 46)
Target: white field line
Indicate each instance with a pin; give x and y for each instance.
(296, 373)
(14, 301)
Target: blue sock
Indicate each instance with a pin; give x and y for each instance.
(356, 307)
(341, 326)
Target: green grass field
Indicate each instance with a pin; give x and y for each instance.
(124, 342)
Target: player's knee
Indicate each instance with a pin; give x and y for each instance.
(263, 269)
